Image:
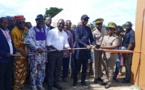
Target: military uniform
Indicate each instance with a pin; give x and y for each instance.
(109, 59)
(98, 37)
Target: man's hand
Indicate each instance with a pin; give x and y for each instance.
(68, 48)
(93, 47)
(88, 47)
(40, 50)
(51, 48)
(22, 52)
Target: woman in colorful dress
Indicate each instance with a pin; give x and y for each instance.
(20, 63)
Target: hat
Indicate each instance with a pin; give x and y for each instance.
(40, 16)
(84, 17)
(19, 17)
(120, 29)
(99, 20)
(112, 25)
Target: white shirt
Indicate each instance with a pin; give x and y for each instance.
(57, 39)
(9, 40)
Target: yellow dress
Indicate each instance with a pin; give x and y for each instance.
(20, 63)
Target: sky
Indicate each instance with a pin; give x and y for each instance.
(118, 11)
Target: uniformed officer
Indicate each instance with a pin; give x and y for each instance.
(98, 35)
(109, 42)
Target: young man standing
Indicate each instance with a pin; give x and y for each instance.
(83, 39)
(57, 40)
(6, 59)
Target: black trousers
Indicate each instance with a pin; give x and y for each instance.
(54, 67)
(72, 65)
(6, 71)
(127, 64)
(77, 68)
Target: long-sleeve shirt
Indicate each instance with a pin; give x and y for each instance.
(110, 41)
(83, 37)
(66, 53)
(58, 39)
(36, 38)
(9, 40)
(98, 35)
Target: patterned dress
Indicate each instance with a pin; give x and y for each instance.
(20, 63)
(36, 39)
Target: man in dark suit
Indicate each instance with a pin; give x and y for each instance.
(48, 22)
(48, 27)
(6, 59)
(83, 39)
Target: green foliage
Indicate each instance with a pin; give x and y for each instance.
(92, 26)
(52, 11)
(123, 26)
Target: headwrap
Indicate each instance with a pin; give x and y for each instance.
(19, 17)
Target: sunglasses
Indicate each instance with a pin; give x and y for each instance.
(98, 23)
(111, 29)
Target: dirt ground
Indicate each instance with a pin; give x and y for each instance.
(92, 86)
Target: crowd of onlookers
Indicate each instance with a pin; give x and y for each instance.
(38, 53)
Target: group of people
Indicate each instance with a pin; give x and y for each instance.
(41, 51)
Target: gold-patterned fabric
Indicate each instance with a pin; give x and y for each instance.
(99, 20)
(20, 63)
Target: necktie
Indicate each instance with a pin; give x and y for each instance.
(7, 35)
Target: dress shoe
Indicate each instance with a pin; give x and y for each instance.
(84, 84)
(99, 79)
(107, 86)
(95, 81)
(58, 86)
(103, 83)
(41, 88)
(74, 85)
(125, 81)
(34, 88)
(115, 79)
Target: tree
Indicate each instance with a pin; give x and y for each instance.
(92, 26)
(123, 26)
(52, 11)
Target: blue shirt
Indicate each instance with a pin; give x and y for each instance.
(83, 37)
(128, 38)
